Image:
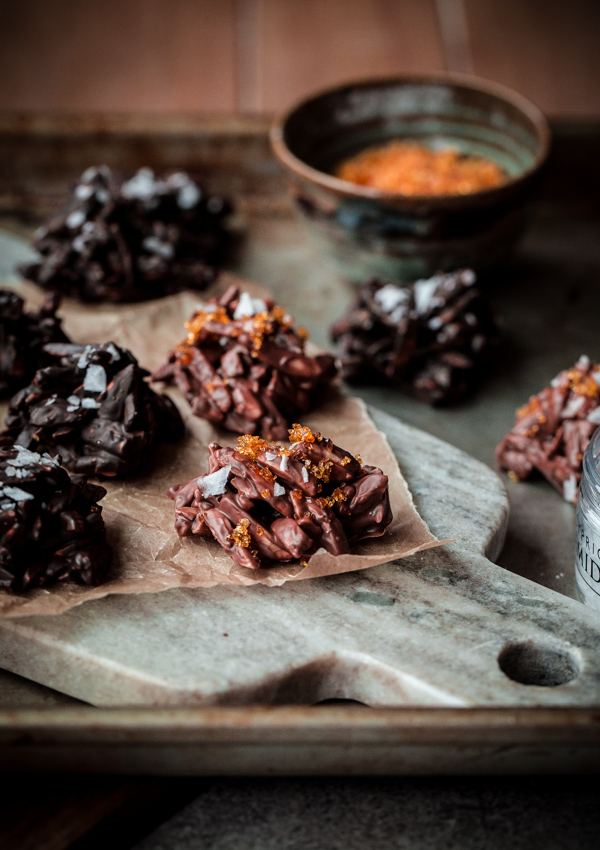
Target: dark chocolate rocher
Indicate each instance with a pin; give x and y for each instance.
(553, 429)
(432, 338)
(265, 503)
(23, 335)
(94, 408)
(131, 240)
(51, 526)
(243, 366)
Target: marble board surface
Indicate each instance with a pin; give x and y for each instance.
(446, 627)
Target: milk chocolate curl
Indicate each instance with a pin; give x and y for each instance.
(243, 366)
(265, 503)
(432, 338)
(92, 407)
(23, 336)
(552, 430)
(131, 240)
(51, 526)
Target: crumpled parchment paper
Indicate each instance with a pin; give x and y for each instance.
(148, 556)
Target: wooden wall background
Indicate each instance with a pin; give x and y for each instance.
(258, 56)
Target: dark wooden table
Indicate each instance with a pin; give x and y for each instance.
(549, 295)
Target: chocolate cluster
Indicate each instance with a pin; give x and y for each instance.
(92, 407)
(265, 503)
(23, 336)
(552, 430)
(51, 526)
(432, 338)
(243, 366)
(131, 240)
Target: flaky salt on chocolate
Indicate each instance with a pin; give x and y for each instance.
(265, 503)
(553, 429)
(51, 526)
(23, 335)
(92, 407)
(243, 366)
(432, 338)
(131, 240)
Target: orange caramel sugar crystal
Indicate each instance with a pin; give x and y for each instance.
(251, 446)
(408, 168)
(302, 434)
(240, 534)
(336, 496)
(583, 384)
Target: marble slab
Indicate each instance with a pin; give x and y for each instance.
(446, 627)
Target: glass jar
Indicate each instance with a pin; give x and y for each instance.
(587, 547)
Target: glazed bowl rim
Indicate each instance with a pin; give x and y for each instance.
(451, 79)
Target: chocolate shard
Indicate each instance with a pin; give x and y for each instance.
(51, 526)
(243, 366)
(265, 503)
(23, 336)
(432, 338)
(131, 240)
(552, 431)
(93, 407)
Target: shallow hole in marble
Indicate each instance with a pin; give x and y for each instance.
(530, 663)
(341, 702)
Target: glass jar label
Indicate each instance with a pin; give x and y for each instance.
(587, 562)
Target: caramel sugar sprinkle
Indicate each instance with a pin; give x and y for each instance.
(240, 534)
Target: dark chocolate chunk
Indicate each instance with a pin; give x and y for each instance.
(552, 430)
(265, 503)
(51, 526)
(131, 240)
(432, 338)
(243, 366)
(92, 407)
(22, 339)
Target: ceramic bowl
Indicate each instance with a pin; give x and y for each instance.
(369, 232)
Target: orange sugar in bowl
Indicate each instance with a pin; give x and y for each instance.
(409, 168)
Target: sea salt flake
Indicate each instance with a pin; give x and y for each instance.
(594, 416)
(284, 463)
(305, 474)
(215, 483)
(424, 290)
(113, 351)
(389, 297)
(16, 472)
(570, 489)
(572, 408)
(102, 196)
(74, 400)
(75, 219)
(270, 455)
(596, 375)
(157, 246)
(90, 403)
(278, 490)
(84, 358)
(16, 494)
(141, 186)
(89, 174)
(583, 362)
(84, 192)
(95, 379)
(78, 244)
(188, 196)
(248, 306)
(24, 457)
